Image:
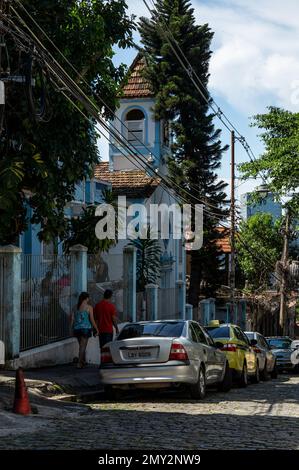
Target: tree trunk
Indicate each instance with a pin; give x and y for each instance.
(195, 279)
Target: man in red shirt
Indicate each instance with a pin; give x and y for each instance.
(105, 318)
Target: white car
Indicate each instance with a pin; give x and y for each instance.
(266, 359)
(166, 353)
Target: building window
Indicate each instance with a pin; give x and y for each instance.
(135, 120)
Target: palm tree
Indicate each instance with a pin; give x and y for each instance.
(148, 261)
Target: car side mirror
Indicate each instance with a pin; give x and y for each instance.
(253, 342)
(218, 345)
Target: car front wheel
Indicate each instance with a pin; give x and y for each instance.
(274, 373)
(198, 390)
(256, 377)
(265, 374)
(226, 383)
(243, 381)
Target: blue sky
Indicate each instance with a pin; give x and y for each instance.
(255, 62)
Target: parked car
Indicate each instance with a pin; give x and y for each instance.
(238, 349)
(281, 347)
(266, 358)
(295, 344)
(295, 354)
(164, 353)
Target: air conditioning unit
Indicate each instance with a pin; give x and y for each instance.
(2, 353)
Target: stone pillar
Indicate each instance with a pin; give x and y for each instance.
(152, 301)
(208, 311)
(11, 300)
(212, 309)
(181, 299)
(189, 312)
(242, 304)
(78, 272)
(129, 276)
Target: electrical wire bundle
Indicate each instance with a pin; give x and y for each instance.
(27, 41)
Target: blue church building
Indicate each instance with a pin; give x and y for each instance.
(88, 192)
(136, 177)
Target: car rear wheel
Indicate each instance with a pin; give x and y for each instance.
(265, 374)
(243, 381)
(226, 383)
(198, 390)
(256, 377)
(112, 393)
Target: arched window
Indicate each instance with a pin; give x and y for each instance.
(135, 121)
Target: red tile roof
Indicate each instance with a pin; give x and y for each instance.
(137, 86)
(223, 243)
(130, 183)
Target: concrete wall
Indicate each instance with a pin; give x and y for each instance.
(62, 352)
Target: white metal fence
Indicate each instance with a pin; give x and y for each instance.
(105, 272)
(46, 300)
(46, 295)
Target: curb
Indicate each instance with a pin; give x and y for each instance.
(83, 397)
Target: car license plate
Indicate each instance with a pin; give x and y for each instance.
(138, 354)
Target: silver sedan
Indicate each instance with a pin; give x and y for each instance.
(266, 359)
(162, 354)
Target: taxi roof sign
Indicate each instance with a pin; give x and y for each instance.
(214, 323)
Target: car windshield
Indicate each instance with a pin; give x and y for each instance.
(163, 329)
(219, 332)
(279, 343)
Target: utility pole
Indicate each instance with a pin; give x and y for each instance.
(283, 284)
(232, 227)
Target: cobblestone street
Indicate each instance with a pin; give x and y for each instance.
(264, 416)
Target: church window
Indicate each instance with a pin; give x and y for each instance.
(135, 122)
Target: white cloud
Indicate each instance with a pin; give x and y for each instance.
(256, 50)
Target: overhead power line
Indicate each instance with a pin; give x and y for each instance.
(191, 188)
(61, 78)
(197, 82)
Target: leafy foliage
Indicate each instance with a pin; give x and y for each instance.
(196, 149)
(148, 261)
(280, 161)
(259, 248)
(81, 230)
(41, 162)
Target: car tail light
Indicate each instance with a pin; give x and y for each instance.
(106, 357)
(178, 353)
(257, 350)
(229, 347)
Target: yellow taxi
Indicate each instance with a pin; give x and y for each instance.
(238, 350)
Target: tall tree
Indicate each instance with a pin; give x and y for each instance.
(41, 161)
(280, 160)
(197, 149)
(259, 247)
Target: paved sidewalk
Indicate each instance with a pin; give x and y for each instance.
(54, 382)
